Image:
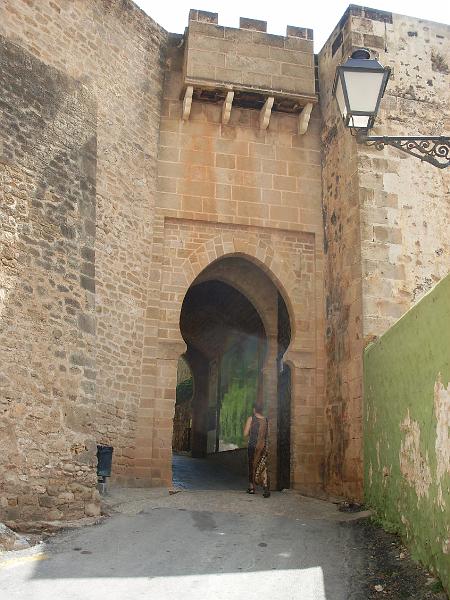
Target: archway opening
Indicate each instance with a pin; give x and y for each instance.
(236, 327)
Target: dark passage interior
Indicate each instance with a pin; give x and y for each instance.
(233, 347)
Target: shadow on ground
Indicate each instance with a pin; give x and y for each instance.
(206, 474)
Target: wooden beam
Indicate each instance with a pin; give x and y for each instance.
(303, 119)
(266, 111)
(226, 108)
(187, 102)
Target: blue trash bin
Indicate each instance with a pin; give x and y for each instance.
(104, 458)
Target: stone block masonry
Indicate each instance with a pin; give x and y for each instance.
(236, 172)
(405, 208)
(189, 247)
(47, 285)
(116, 53)
(248, 58)
(226, 189)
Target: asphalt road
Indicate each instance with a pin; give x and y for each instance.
(210, 541)
(168, 553)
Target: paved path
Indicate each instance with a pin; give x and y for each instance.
(213, 544)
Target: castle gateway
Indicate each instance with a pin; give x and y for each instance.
(185, 218)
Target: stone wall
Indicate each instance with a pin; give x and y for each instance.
(189, 247)
(237, 172)
(224, 189)
(176, 189)
(386, 214)
(47, 318)
(117, 54)
(405, 208)
(407, 417)
(343, 289)
(248, 58)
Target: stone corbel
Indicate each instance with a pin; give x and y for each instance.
(266, 111)
(187, 102)
(226, 108)
(303, 119)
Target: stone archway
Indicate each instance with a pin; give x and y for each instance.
(239, 273)
(227, 341)
(288, 261)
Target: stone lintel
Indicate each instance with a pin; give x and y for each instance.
(301, 359)
(171, 349)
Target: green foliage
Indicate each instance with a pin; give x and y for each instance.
(239, 372)
(236, 407)
(437, 586)
(385, 524)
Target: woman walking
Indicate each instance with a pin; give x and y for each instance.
(257, 430)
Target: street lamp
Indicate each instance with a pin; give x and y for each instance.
(358, 88)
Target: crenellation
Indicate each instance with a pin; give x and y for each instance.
(299, 32)
(252, 24)
(250, 60)
(203, 16)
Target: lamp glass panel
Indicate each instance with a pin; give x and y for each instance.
(359, 121)
(340, 98)
(363, 89)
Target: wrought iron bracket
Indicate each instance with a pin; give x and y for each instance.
(434, 150)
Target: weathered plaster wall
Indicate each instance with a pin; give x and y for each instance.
(116, 52)
(406, 427)
(386, 215)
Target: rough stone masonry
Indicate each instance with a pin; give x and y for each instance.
(130, 160)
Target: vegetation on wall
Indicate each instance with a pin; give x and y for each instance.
(236, 407)
(406, 435)
(239, 373)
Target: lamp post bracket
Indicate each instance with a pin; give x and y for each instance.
(434, 150)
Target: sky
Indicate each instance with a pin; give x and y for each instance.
(320, 15)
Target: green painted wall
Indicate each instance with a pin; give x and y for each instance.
(406, 429)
